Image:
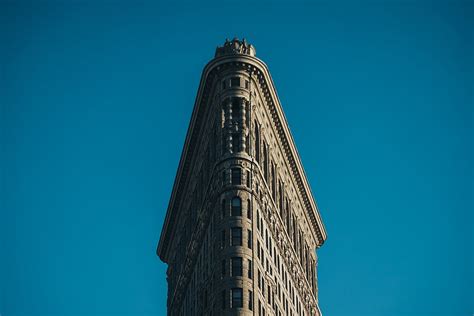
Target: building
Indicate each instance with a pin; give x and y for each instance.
(242, 227)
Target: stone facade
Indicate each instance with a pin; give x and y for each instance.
(242, 227)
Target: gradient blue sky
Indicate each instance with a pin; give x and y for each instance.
(96, 99)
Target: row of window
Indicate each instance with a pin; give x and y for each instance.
(236, 298)
(233, 82)
(236, 237)
(235, 207)
(283, 203)
(280, 269)
(236, 267)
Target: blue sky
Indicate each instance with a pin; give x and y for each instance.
(96, 98)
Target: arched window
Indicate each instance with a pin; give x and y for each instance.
(236, 206)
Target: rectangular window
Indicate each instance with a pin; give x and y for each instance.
(236, 236)
(223, 239)
(236, 206)
(250, 269)
(223, 143)
(236, 266)
(247, 84)
(223, 85)
(258, 220)
(250, 239)
(237, 301)
(257, 143)
(236, 176)
(223, 268)
(235, 82)
(250, 300)
(265, 161)
(223, 209)
(249, 209)
(235, 142)
(248, 178)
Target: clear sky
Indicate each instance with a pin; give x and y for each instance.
(96, 99)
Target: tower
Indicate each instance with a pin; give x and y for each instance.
(242, 227)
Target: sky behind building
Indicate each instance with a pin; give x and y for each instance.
(96, 99)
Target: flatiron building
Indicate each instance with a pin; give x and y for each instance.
(242, 226)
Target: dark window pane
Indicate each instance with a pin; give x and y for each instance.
(249, 209)
(235, 82)
(250, 239)
(235, 142)
(236, 176)
(237, 298)
(250, 300)
(236, 107)
(236, 206)
(257, 142)
(236, 266)
(236, 236)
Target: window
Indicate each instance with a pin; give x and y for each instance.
(258, 220)
(223, 209)
(250, 269)
(247, 84)
(235, 142)
(236, 236)
(237, 298)
(257, 143)
(249, 209)
(250, 300)
(269, 297)
(236, 105)
(236, 176)
(236, 263)
(236, 206)
(223, 268)
(223, 84)
(235, 82)
(265, 161)
(250, 239)
(224, 177)
(248, 178)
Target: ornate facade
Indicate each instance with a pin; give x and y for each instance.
(242, 227)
